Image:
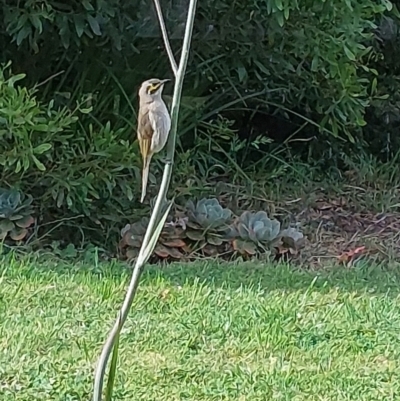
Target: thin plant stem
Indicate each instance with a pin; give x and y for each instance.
(165, 37)
(176, 99)
(152, 232)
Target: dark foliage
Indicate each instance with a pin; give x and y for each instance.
(261, 75)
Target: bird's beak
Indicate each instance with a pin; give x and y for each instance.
(163, 81)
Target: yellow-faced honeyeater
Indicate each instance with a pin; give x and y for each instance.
(154, 123)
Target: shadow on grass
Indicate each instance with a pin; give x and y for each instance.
(260, 276)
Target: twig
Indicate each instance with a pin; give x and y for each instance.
(50, 78)
(165, 37)
(156, 221)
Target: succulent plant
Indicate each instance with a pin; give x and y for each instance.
(208, 225)
(292, 240)
(208, 213)
(253, 232)
(15, 214)
(170, 244)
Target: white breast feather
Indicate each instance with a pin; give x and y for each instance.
(161, 124)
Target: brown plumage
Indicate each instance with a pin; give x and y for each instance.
(154, 124)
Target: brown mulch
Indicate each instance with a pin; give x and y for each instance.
(338, 229)
(343, 225)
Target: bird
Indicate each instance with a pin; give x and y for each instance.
(154, 124)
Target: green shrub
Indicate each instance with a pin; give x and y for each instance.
(312, 57)
(69, 141)
(46, 152)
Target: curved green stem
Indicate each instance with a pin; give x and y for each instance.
(156, 221)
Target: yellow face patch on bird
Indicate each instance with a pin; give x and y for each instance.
(153, 87)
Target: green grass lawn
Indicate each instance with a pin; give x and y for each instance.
(201, 332)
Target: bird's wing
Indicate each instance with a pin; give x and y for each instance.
(145, 133)
(161, 124)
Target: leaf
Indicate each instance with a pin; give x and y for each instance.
(275, 228)
(132, 240)
(87, 5)
(360, 121)
(161, 251)
(16, 217)
(174, 243)
(388, 4)
(36, 22)
(314, 63)
(79, 21)
(246, 217)
(11, 81)
(23, 34)
(350, 55)
(279, 18)
(214, 240)
(164, 252)
(65, 33)
(348, 4)
(286, 12)
(60, 198)
(374, 85)
(210, 250)
(44, 147)
(195, 235)
(250, 248)
(347, 256)
(131, 254)
(94, 25)
(242, 73)
(244, 247)
(192, 224)
(18, 234)
(38, 163)
(6, 226)
(129, 193)
(262, 67)
(25, 222)
(292, 238)
(86, 110)
(279, 5)
(175, 253)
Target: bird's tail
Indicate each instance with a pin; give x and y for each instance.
(145, 176)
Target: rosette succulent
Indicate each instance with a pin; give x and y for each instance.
(254, 231)
(292, 240)
(15, 214)
(208, 225)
